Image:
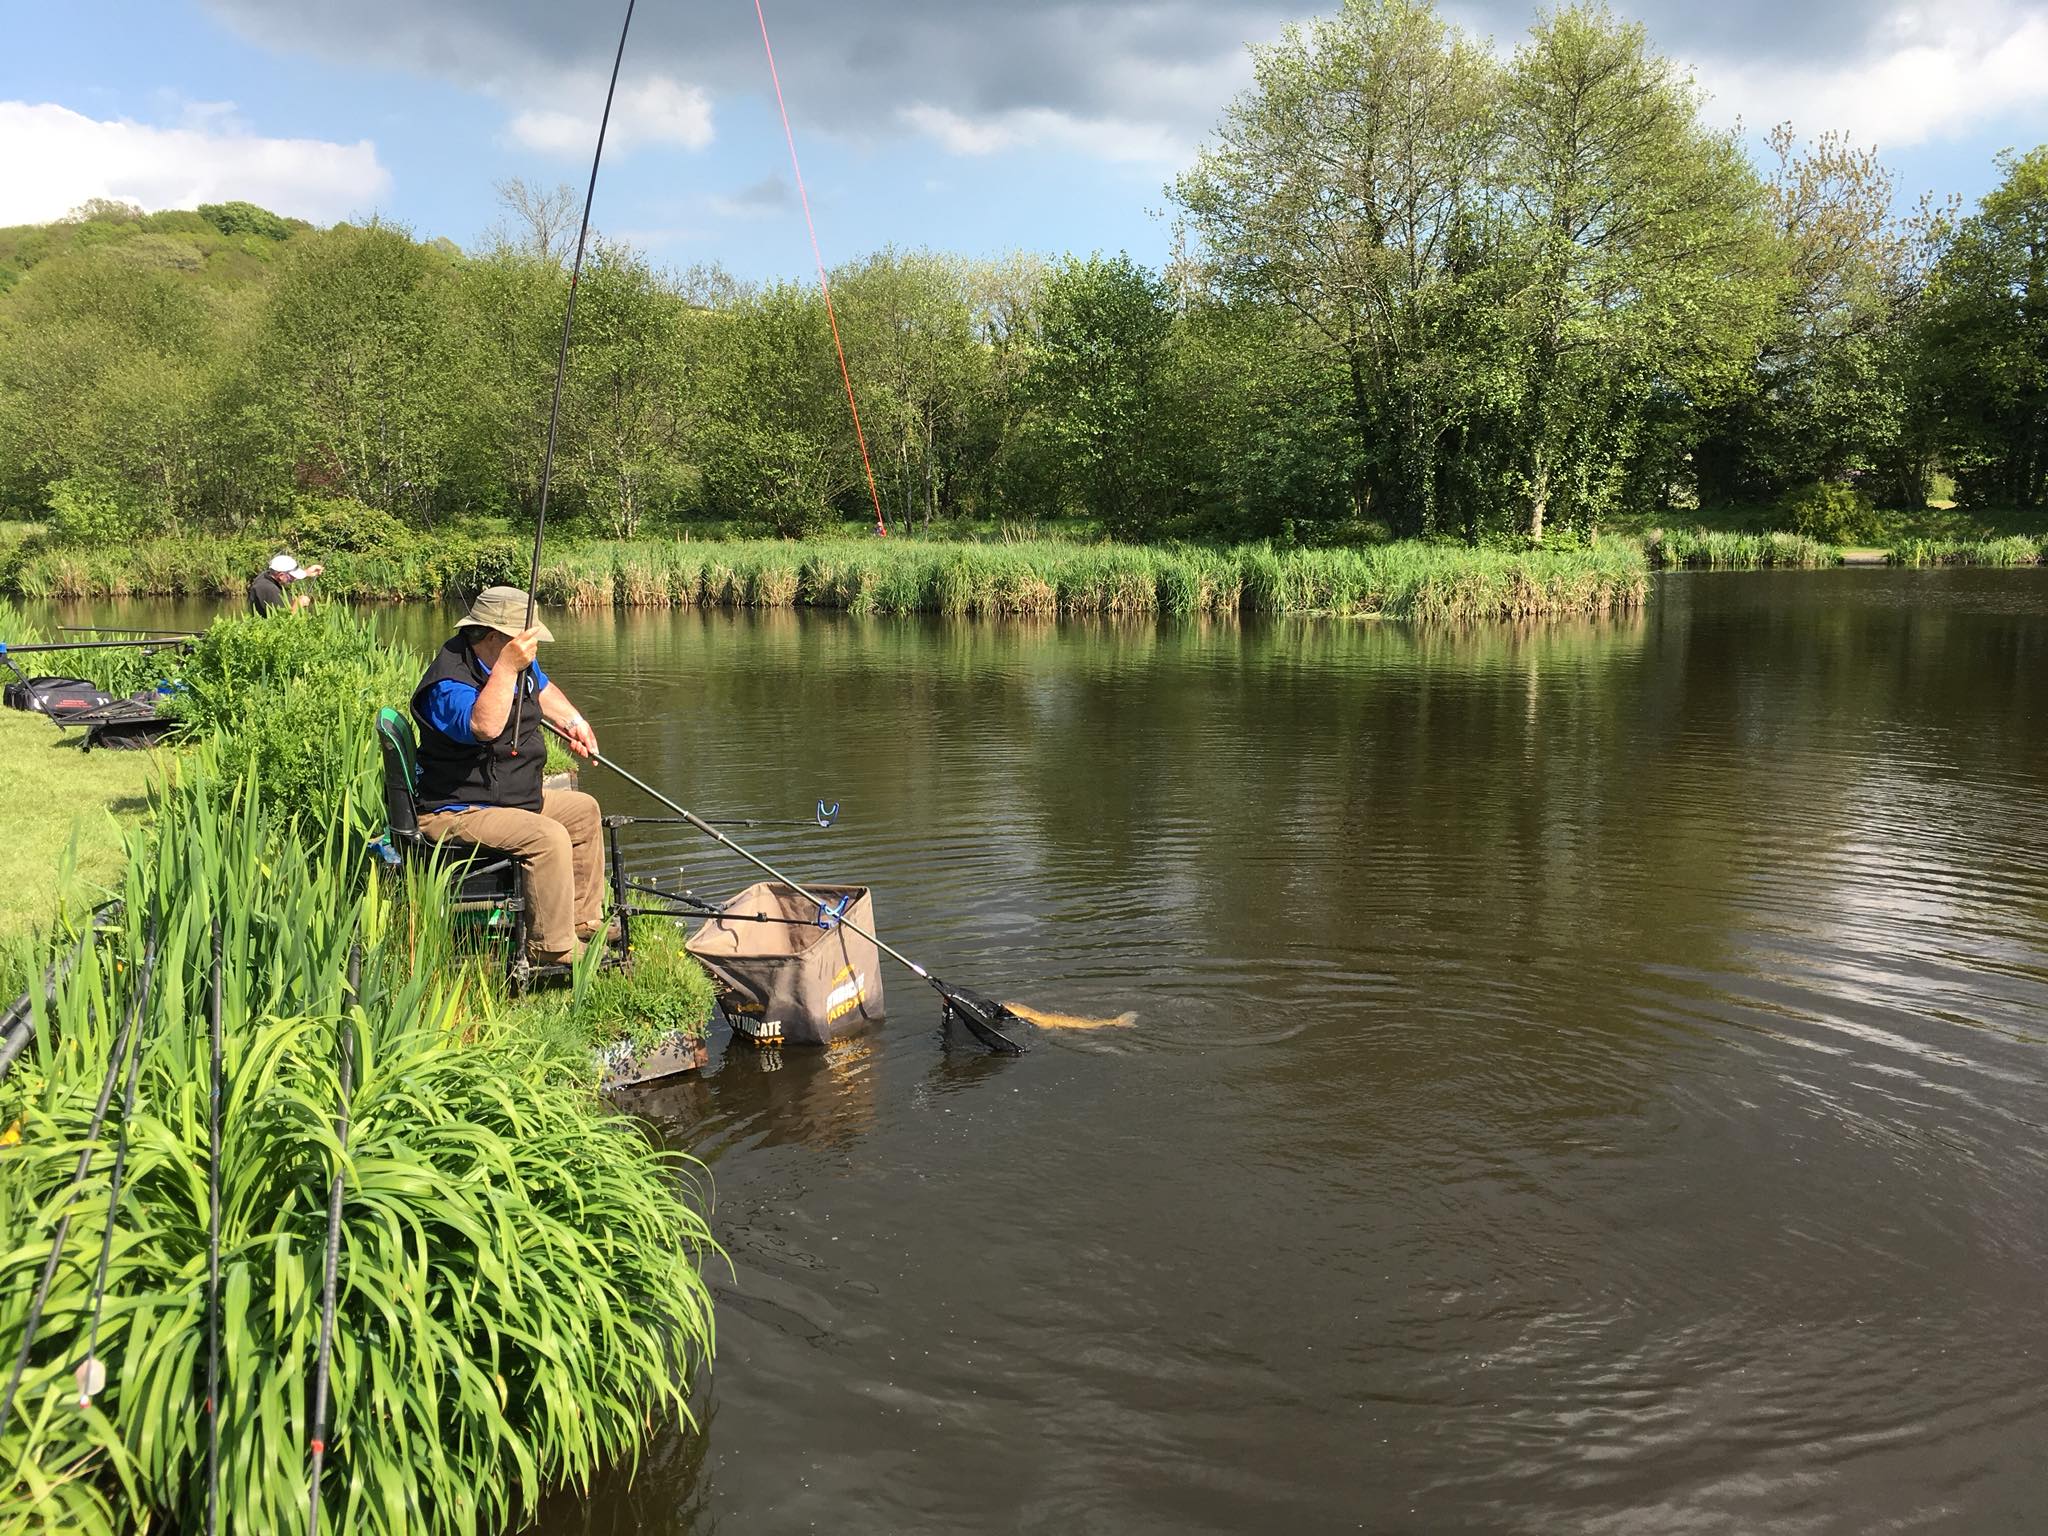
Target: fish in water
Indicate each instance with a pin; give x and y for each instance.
(1068, 1020)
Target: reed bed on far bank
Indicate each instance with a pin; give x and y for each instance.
(1047, 577)
(1702, 548)
(2016, 549)
(1717, 549)
(1425, 582)
(185, 565)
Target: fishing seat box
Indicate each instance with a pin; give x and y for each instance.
(782, 977)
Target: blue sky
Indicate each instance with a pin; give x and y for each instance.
(965, 125)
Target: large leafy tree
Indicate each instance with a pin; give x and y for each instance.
(780, 448)
(1351, 187)
(908, 325)
(633, 393)
(1826, 398)
(1984, 343)
(109, 364)
(363, 366)
(1257, 425)
(1104, 327)
(1645, 267)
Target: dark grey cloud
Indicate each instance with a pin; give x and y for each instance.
(872, 67)
(771, 194)
(843, 64)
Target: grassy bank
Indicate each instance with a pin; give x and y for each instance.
(519, 1301)
(1423, 582)
(68, 814)
(67, 811)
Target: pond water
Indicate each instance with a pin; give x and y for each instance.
(1590, 1078)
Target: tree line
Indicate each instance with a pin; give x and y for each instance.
(1419, 289)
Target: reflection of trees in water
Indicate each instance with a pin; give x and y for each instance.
(1595, 778)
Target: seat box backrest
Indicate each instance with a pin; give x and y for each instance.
(401, 772)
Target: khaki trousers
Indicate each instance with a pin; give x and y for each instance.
(562, 847)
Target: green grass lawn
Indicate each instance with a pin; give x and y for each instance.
(53, 793)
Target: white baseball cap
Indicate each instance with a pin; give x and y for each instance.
(285, 565)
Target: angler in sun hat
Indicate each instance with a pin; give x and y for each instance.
(480, 784)
(267, 592)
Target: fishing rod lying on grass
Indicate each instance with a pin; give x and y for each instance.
(147, 647)
(980, 1014)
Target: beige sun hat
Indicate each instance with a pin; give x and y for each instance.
(503, 609)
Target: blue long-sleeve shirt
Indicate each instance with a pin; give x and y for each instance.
(449, 703)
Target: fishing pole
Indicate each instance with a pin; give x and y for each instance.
(980, 1014)
(92, 1373)
(92, 1136)
(213, 1254)
(9, 652)
(155, 643)
(547, 462)
(324, 1358)
(696, 906)
(115, 629)
(825, 817)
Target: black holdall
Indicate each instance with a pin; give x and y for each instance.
(55, 696)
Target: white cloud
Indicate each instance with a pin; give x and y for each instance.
(1931, 71)
(57, 158)
(1036, 127)
(658, 111)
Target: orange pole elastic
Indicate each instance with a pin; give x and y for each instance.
(824, 283)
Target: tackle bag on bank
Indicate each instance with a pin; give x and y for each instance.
(55, 696)
(787, 971)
